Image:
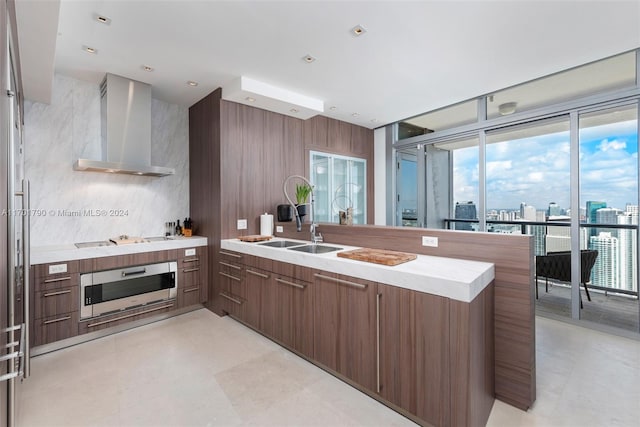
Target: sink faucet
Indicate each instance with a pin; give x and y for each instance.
(315, 238)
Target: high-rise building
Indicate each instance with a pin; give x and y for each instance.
(528, 213)
(555, 209)
(465, 210)
(606, 270)
(592, 207)
(558, 237)
(607, 216)
(628, 249)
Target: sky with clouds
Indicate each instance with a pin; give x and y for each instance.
(536, 170)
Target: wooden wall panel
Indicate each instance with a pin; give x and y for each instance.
(239, 158)
(204, 180)
(514, 300)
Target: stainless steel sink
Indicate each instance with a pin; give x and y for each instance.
(315, 249)
(156, 239)
(281, 244)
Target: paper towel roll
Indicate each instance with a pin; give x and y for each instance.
(266, 224)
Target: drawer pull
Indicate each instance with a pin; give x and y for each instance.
(104, 322)
(189, 270)
(340, 281)
(229, 276)
(191, 260)
(53, 294)
(226, 264)
(230, 254)
(191, 289)
(58, 279)
(62, 319)
(223, 295)
(286, 282)
(255, 273)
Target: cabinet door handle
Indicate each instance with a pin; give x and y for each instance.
(189, 270)
(229, 276)
(58, 279)
(340, 281)
(286, 282)
(230, 254)
(230, 265)
(223, 295)
(104, 322)
(255, 273)
(190, 289)
(53, 294)
(378, 386)
(61, 319)
(191, 260)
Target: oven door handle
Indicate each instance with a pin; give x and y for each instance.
(134, 272)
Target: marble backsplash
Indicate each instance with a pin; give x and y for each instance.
(68, 206)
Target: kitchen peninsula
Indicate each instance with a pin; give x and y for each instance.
(417, 336)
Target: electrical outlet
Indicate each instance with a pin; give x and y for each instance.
(190, 252)
(242, 224)
(430, 241)
(279, 229)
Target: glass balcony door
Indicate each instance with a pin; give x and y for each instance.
(407, 188)
(608, 141)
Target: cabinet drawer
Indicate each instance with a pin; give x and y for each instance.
(59, 281)
(55, 302)
(189, 295)
(292, 270)
(125, 316)
(231, 256)
(259, 262)
(55, 269)
(54, 328)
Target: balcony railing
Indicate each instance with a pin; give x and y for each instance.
(449, 223)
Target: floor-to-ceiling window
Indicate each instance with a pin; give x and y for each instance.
(555, 158)
(609, 212)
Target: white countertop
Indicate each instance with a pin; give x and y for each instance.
(457, 279)
(59, 253)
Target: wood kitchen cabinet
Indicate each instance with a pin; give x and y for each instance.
(344, 326)
(287, 308)
(55, 302)
(414, 352)
(192, 276)
(231, 283)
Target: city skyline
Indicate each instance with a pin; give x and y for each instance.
(537, 168)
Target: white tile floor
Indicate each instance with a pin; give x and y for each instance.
(200, 369)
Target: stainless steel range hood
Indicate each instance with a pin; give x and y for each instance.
(126, 130)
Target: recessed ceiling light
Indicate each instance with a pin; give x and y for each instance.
(192, 83)
(103, 19)
(90, 49)
(250, 99)
(147, 68)
(294, 111)
(358, 30)
(355, 114)
(333, 108)
(308, 59)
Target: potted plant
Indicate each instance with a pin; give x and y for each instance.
(302, 197)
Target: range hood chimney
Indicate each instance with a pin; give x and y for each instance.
(126, 130)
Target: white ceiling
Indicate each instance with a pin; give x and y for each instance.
(415, 56)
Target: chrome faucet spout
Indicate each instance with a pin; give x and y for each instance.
(314, 238)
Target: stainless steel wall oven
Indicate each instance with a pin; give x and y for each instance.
(111, 291)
